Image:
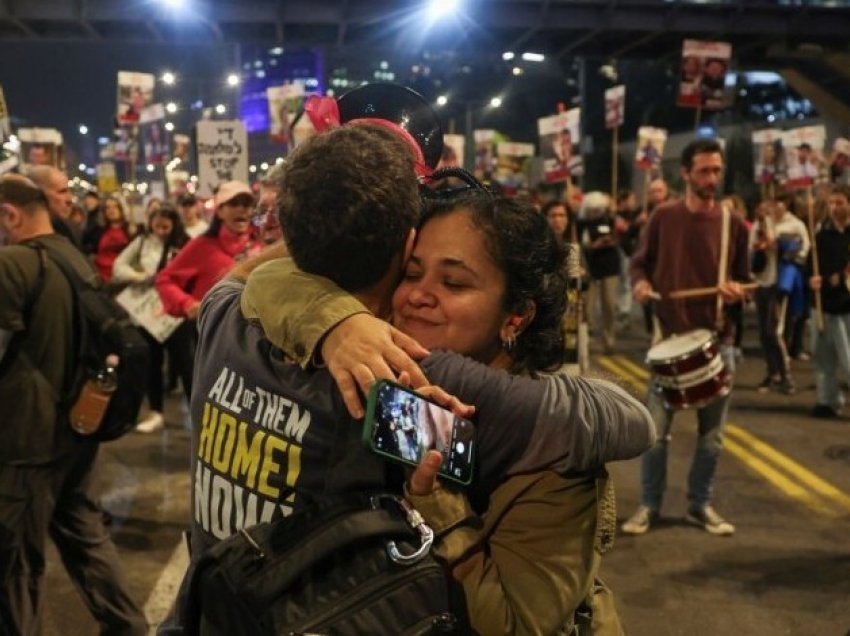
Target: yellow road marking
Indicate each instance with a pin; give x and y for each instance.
(747, 447)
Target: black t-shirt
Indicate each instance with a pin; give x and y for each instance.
(602, 262)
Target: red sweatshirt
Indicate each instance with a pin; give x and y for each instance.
(111, 243)
(680, 249)
(199, 266)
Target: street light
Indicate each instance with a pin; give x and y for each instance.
(442, 100)
(495, 102)
(171, 107)
(168, 78)
(169, 126)
(84, 130)
(220, 109)
(233, 79)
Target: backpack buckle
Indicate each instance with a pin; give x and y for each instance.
(415, 521)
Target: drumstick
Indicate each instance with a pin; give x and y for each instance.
(696, 292)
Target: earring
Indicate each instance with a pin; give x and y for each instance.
(509, 343)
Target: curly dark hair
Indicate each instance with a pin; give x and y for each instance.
(348, 198)
(521, 243)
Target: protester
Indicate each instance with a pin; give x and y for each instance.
(832, 345)
(47, 472)
(184, 281)
(54, 183)
(114, 237)
(138, 264)
(265, 216)
(680, 249)
(193, 220)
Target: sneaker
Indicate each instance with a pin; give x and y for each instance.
(766, 385)
(787, 386)
(824, 411)
(152, 422)
(708, 519)
(640, 522)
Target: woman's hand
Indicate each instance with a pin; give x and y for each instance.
(362, 349)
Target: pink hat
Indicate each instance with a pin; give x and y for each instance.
(230, 190)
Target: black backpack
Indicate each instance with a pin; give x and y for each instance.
(352, 564)
(103, 328)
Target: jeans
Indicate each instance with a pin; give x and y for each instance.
(831, 346)
(772, 344)
(711, 420)
(604, 292)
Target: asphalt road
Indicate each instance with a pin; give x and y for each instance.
(784, 481)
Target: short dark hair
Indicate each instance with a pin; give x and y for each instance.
(553, 203)
(533, 260)
(188, 199)
(348, 199)
(21, 192)
(842, 190)
(699, 147)
(787, 199)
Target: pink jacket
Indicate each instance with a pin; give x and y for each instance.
(199, 266)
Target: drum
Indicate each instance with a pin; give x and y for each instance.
(688, 370)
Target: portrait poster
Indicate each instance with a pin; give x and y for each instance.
(284, 104)
(107, 178)
(453, 155)
(177, 182)
(485, 153)
(154, 137)
(650, 147)
(804, 162)
(559, 146)
(768, 156)
(5, 125)
(126, 144)
(615, 106)
(144, 305)
(41, 147)
(181, 147)
(135, 93)
(702, 82)
(512, 165)
(222, 152)
(839, 161)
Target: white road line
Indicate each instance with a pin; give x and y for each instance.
(165, 591)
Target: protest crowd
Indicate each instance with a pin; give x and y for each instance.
(263, 307)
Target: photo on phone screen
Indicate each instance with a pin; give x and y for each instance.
(403, 425)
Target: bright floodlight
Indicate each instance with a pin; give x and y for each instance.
(233, 79)
(168, 78)
(517, 70)
(171, 107)
(439, 8)
(508, 56)
(533, 57)
(496, 102)
(442, 100)
(151, 167)
(82, 167)
(84, 130)
(220, 109)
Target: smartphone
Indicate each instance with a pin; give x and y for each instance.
(402, 425)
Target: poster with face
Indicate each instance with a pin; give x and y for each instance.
(126, 143)
(559, 146)
(804, 162)
(284, 104)
(181, 148)
(135, 93)
(154, 136)
(615, 106)
(453, 149)
(485, 153)
(703, 77)
(222, 154)
(768, 156)
(177, 181)
(650, 147)
(512, 165)
(839, 161)
(41, 147)
(5, 126)
(107, 179)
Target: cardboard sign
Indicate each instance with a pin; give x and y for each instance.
(145, 307)
(703, 75)
(768, 158)
(222, 154)
(615, 106)
(511, 165)
(454, 147)
(154, 137)
(804, 163)
(559, 146)
(284, 103)
(42, 147)
(650, 147)
(135, 93)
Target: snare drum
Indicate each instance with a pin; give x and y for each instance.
(688, 370)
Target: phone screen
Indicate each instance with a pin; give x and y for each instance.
(402, 425)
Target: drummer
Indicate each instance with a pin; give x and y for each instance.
(679, 250)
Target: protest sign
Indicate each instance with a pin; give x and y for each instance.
(703, 76)
(222, 151)
(135, 92)
(615, 106)
(145, 307)
(559, 146)
(650, 147)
